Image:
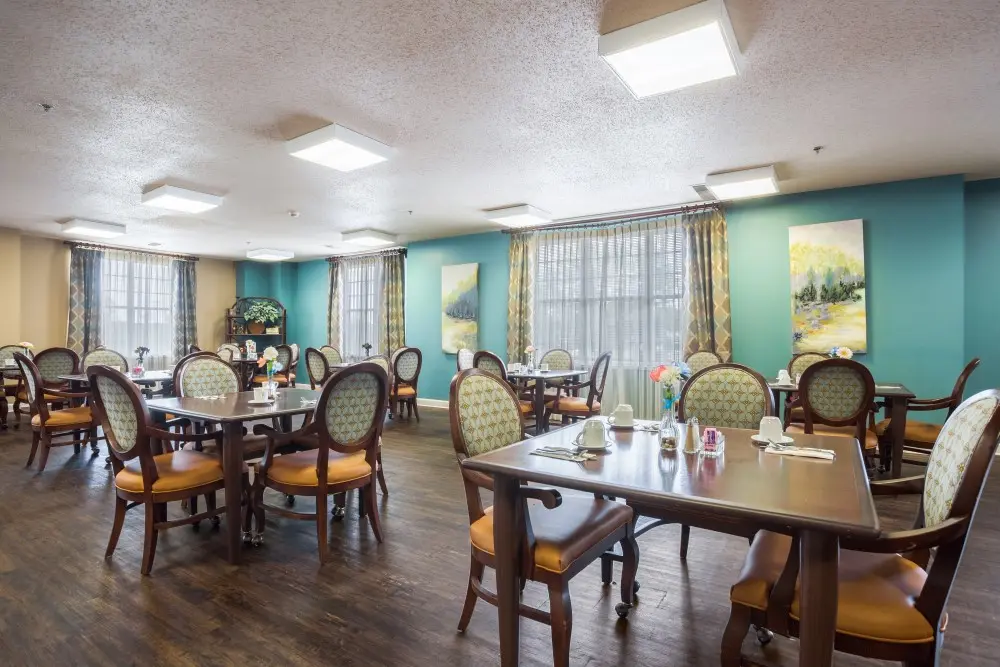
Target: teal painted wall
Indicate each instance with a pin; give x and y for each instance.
(423, 300)
(302, 288)
(982, 307)
(914, 263)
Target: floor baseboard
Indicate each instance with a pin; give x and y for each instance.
(435, 403)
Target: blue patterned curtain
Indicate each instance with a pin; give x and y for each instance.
(184, 307)
(84, 329)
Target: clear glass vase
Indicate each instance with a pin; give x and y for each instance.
(668, 426)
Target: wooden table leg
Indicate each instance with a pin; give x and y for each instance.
(507, 534)
(819, 557)
(897, 427)
(541, 423)
(232, 468)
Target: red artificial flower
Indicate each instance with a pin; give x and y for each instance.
(654, 374)
(261, 361)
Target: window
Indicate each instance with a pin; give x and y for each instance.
(618, 289)
(361, 289)
(137, 309)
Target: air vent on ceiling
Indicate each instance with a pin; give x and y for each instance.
(703, 192)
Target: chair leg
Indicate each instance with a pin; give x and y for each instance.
(630, 565)
(685, 536)
(149, 538)
(416, 410)
(93, 441)
(381, 474)
(210, 506)
(258, 507)
(77, 435)
(116, 527)
(321, 526)
(43, 458)
(732, 638)
(35, 437)
(372, 511)
(607, 569)
(475, 574)
(561, 612)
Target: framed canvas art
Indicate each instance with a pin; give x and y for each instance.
(459, 307)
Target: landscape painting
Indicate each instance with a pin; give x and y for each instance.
(459, 307)
(828, 286)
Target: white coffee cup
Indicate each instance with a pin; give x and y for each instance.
(544, 368)
(260, 394)
(593, 433)
(623, 416)
(770, 429)
(784, 377)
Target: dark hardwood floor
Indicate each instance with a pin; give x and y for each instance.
(61, 603)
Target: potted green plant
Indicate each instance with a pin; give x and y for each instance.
(260, 314)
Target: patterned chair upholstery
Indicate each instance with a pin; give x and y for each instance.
(796, 367)
(102, 356)
(701, 360)
(228, 351)
(11, 379)
(406, 363)
(484, 417)
(726, 396)
(463, 360)
(332, 354)
(57, 361)
(491, 363)
(347, 428)
(837, 396)
(205, 375)
(558, 360)
(317, 367)
(570, 404)
(891, 606)
(286, 376)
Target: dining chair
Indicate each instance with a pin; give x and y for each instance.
(918, 436)
(463, 360)
(696, 361)
(837, 397)
(570, 405)
(725, 395)
(229, 351)
(145, 478)
(102, 356)
(406, 364)
(51, 364)
(51, 427)
(317, 367)
(346, 428)
(488, 362)
(286, 376)
(891, 597)
(293, 367)
(796, 367)
(557, 359)
(332, 354)
(564, 534)
(11, 378)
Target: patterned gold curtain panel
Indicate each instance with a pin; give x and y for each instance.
(392, 303)
(84, 330)
(366, 303)
(184, 306)
(519, 304)
(709, 316)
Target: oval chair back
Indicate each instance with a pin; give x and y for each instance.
(228, 351)
(598, 377)
(485, 415)
(332, 354)
(726, 396)
(463, 360)
(34, 386)
(56, 361)
(102, 356)
(407, 362)
(294, 364)
(350, 413)
(121, 411)
(800, 362)
(11, 371)
(317, 366)
(285, 355)
(485, 360)
(183, 360)
(837, 392)
(205, 375)
(558, 359)
(382, 362)
(701, 360)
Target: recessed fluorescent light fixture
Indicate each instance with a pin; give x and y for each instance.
(268, 255)
(174, 198)
(92, 229)
(339, 148)
(676, 50)
(519, 216)
(742, 184)
(368, 237)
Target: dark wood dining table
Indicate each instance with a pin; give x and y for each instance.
(541, 379)
(232, 411)
(818, 500)
(896, 398)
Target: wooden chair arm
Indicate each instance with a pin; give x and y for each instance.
(928, 404)
(480, 479)
(280, 438)
(909, 540)
(184, 437)
(551, 498)
(572, 387)
(901, 486)
(66, 394)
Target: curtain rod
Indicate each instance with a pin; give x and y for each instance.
(375, 253)
(99, 246)
(619, 218)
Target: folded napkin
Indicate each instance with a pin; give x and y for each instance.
(806, 452)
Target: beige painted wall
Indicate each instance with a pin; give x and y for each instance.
(216, 293)
(36, 292)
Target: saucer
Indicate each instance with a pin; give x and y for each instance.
(615, 427)
(578, 442)
(266, 401)
(784, 440)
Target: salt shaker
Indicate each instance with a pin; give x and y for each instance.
(693, 436)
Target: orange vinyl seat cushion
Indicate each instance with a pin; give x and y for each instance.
(405, 391)
(177, 471)
(527, 407)
(300, 468)
(563, 534)
(876, 592)
(280, 378)
(871, 440)
(922, 433)
(574, 405)
(68, 417)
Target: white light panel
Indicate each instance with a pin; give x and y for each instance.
(370, 238)
(173, 198)
(519, 216)
(269, 255)
(743, 184)
(93, 229)
(339, 148)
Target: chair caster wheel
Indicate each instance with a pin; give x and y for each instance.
(635, 586)
(257, 540)
(764, 636)
(247, 537)
(338, 512)
(622, 609)
(215, 522)
(290, 501)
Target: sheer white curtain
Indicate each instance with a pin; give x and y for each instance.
(361, 285)
(614, 288)
(137, 305)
